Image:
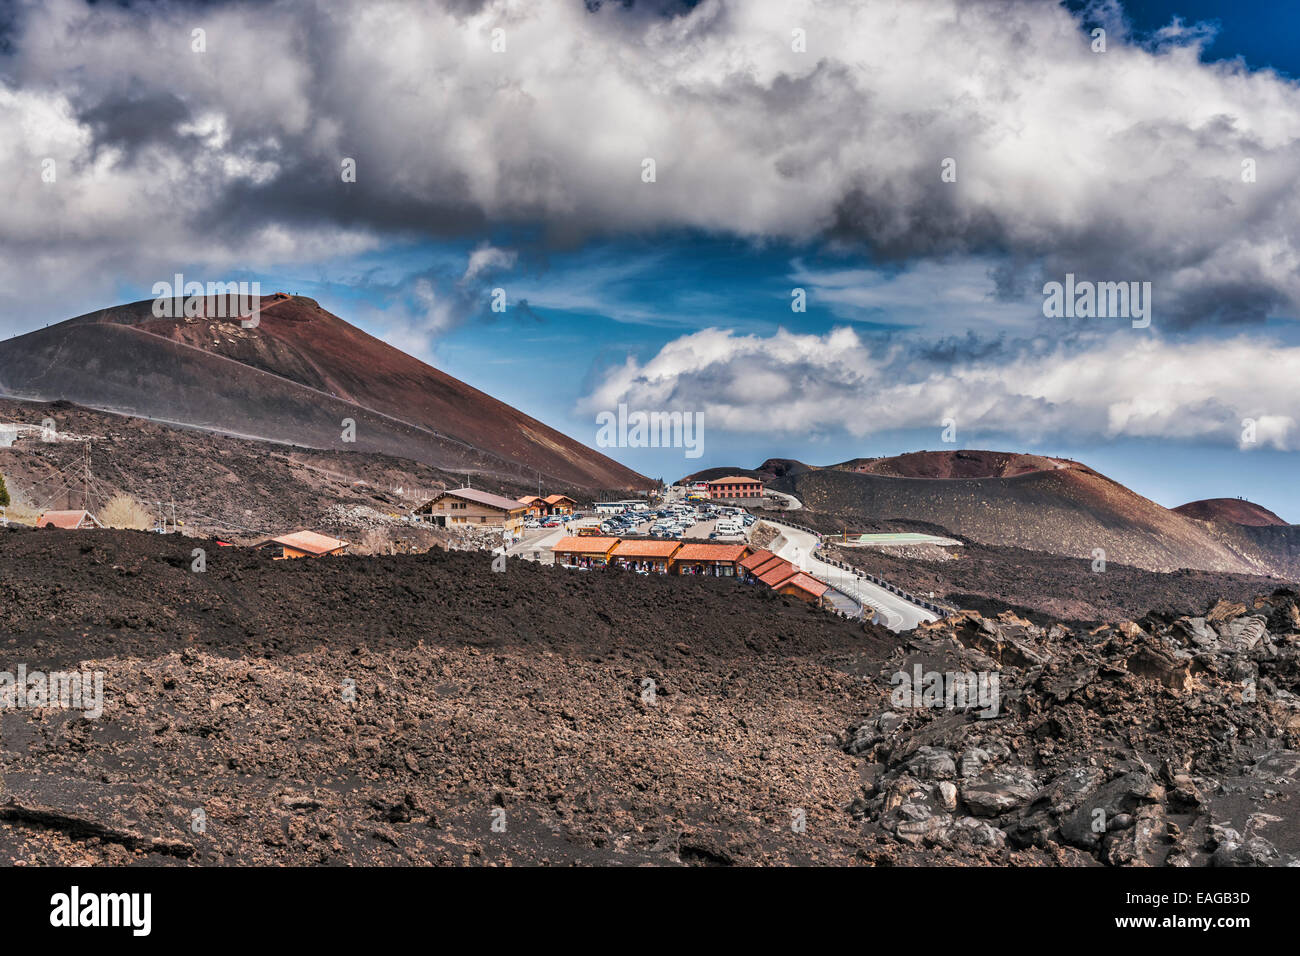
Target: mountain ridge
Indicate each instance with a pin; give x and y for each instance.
(1036, 503)
(295, 377)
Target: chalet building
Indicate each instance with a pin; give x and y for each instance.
(303, 544)
(782, 577)
(770, 564)
(777, 572)
(735, 486)
(537, 507)
(68, 520)
(587, 551)
(534, 507)
(719, 560)
(749, 564)
(655, 556)
(804, 587)
(560, 505)
(459, 507)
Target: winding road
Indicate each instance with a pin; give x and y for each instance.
(892, 611)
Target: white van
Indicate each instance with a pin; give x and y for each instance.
(727, 526)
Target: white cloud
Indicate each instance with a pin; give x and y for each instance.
(486, 258)
(1123, 385)
(1122, 165)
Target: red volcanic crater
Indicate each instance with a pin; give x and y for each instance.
(1231, 511)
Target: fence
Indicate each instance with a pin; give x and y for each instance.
(936, 607)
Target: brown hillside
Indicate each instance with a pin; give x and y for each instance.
(1067, 510)
(966, 463)
(1231, 511)
(293, 379)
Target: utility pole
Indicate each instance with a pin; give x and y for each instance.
(85, 476)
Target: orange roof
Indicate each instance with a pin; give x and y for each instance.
(711, 552)
(71, 520)
(761, 556)
(772, 561)
(590, 544)
(310, 541)
(556, 499)
(779, 574)
(528, 499)
(735, 480)
(646, 549)
(805, 583)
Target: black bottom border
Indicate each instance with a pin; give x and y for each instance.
(331, 904)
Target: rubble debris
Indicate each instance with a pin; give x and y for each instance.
(1164, 741)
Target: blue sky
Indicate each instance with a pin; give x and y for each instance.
(779, 169)
(1262, 32)
(645, 294)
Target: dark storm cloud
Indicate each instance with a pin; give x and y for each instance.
(1065, 161)
(132, 122)
(969, 347)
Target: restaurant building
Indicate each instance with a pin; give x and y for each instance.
(719, 560)
(735, 487)
(650, 556)
(470, 506)
(588, 551)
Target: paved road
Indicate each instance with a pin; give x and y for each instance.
(892, 611)
(542, 540)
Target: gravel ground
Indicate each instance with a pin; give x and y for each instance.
(524, 692)
(422, 709)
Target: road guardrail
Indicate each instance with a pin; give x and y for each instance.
(943, 610)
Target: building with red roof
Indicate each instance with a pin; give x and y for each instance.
(586, 551)
(774, 574)
(303, 544)
(803, 586)
(772, 562)
(654, 556)
(533, 505)
(720, 560)
(735, 486)
(753, 561)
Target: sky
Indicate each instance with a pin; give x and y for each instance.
(843, 251)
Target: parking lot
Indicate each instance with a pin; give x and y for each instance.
(692, 525)
(536, 543)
